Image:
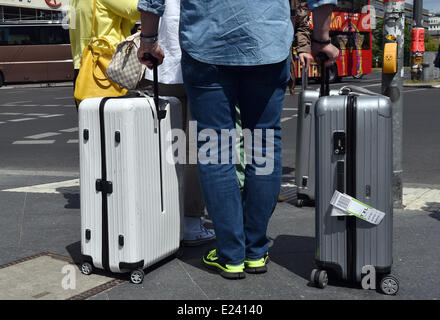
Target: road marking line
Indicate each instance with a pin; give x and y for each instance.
(36, 114)
(34, 142)
(43, 135)
(52, 115)
(414, 90)
(372, 85)
(24, 105)
(288, 185)
(38, 105)
(424, 199)
(54, 187)
(69, 130)
(72, 141)
(15, 102)
(38, 172)
(10, 113)
(21, 119)
(289, 118)
(2, 122)
(292, 109)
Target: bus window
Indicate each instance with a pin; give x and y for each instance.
(27, 35)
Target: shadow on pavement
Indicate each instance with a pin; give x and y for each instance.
(288, 170)
(295, 253)
(433, 207)
(71, 194)
(193, 255)
(435, 215)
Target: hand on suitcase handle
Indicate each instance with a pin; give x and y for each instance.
(149, 57)
(323, 57)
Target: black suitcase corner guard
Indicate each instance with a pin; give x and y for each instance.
(104, 186)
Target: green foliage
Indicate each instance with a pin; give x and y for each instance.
(431, 44)
(378, 42)
(407, 45)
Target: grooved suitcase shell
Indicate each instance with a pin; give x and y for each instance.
(373, 169)
(305, 143)
(134, 206)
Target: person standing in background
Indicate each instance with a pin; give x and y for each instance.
(237, 52)
(301, 47)
(302, 43)
(171, 84)
(114, 21)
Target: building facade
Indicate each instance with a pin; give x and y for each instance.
(434, 25)
(379, 7)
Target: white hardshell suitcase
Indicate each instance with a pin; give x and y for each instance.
(131, 199)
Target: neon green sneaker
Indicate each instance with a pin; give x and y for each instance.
(227, 271)
(256, 266)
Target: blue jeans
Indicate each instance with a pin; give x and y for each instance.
(240, 223)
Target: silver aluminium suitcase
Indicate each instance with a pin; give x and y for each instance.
(130, 194)
(354, 156)
(305, 143)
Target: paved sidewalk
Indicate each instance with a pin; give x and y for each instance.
(434, 84)
(416, 264)
(31, 223)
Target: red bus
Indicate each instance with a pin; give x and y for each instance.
(350, 32)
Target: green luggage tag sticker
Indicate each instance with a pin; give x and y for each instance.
(345, 205)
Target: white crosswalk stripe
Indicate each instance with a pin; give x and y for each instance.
(69, 130)
(34, 142)
(52, 115)
(288, 118)
(43, 135)
(54, 187)
(21, 119)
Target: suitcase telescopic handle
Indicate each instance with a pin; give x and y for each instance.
(304, 78)
(325, 84)
(149, 57)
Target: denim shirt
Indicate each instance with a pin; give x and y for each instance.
(234, 32)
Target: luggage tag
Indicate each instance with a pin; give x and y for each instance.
(345, 205)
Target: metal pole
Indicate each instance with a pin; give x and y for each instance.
(417, 12)
(418, 23)
(392, 85)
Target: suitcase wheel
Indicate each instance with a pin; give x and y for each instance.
(137, 276)
(389, 285)
(319, 278)
(86, 268)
